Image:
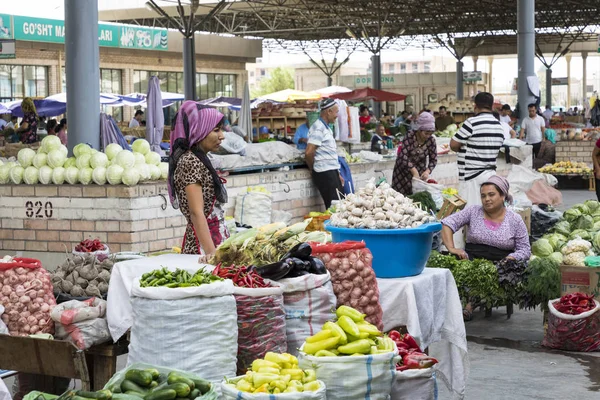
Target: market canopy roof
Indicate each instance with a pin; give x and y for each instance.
(329, 90)
(289, 95)
(296, 20)
(368, 93)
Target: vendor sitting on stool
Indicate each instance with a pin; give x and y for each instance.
(494, 232)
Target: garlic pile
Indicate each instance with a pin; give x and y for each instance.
(380, 207)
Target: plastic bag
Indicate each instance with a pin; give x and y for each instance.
(415, 384)
(281, 216)
(120, 377)
(26, 293)
(434, 189)
(542, 220)
(309, 302)
(4, 392)
(193, 329)
(3, 327)
(232, 144)
(573, 332)
(353, 286)
(358, 377)
(82, 323)
(253, 209)
(261, 324)
(232, 393)
(542, 193)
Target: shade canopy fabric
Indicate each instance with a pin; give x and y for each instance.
(155, 119)
(44, 108)
(222, 102)
(289, 95)
(329, 90)
(368, 93)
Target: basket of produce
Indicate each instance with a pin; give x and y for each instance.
(390, 224)
(318, 221)
(89, 246)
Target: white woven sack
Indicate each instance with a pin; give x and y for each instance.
(230, 393)
(354, 377)
(253, 209)
(197, 333)
(415, 384)
(309, 302)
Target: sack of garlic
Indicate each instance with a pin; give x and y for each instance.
(378, 207)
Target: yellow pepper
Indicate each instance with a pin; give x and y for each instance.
(335, 328)
(281, 385)
(324, 334)
(296, 384)
(312, 348)
(325, 353)
(368, 328)
(310, 375)
(287, 366)
(269, 370)
(286, 378)
(276, 391)
(277, 358)
(295, 374)
(352, 338)
(350, 312)
(374, 350)
(244, 386)
(259, 379)
(385, 344)
(348, 325)
(258, 364)
(291, 389)
(264, 388)
(360, 346)
(311, 386)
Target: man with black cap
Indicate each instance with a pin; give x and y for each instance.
(321, 153)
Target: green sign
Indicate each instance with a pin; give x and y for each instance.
(5, 27)
(366, 80)
(123, 36)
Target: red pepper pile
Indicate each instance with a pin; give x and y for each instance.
(89, 246)
(409, 350)
(575, 303)
(241, 276)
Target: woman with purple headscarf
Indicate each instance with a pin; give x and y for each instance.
(417, 155)
(194, 185)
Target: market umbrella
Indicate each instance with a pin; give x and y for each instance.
(330, 90)
(289, 95)
(110, 132)
(155, 119)
(4, 109)
(44, 108)
(245, 121)
(368, 93)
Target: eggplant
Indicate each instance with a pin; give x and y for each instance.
(298, 264)
(275, 271)
(317, 266)
(301, 251)
(296, 273)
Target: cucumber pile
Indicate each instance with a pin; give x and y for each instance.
(149, 384)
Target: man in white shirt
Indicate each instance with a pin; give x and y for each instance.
(548, 114)
(509, 132)
(533, 127)
(137, 118)
(505, 115)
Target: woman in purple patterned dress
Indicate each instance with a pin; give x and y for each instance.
(28, 128)
(417, 155)
(495, 232)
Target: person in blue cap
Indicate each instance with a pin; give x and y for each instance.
(321, 154)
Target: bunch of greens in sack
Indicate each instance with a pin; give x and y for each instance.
(83, 276)
(511, 275)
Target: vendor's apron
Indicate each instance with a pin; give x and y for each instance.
(486, 252)
(216, 226)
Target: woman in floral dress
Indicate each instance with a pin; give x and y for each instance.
(417, 156)
(28, 128)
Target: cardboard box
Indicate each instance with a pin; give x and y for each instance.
(526, 215)
(580, 279)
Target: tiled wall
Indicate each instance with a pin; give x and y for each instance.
(576, 151)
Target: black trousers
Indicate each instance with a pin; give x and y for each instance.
(328, 183)
(536, 149)
(598, 188)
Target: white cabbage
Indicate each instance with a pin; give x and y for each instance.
(16, 174)
(56, 158)
(25, 157)
(152, 158)
(58, 176)
(131, 177)
(81, 149)
(125, 159)
(99, 175)
(112, 150)
(98, 160)
(31, 175)
(72, 175)
(114, 174)
(85, 176)
(45, 175)
(141, 146)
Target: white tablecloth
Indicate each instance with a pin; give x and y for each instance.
(118, 310)
(429, 306)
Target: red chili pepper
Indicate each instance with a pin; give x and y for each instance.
(418, 361)
(410, 341)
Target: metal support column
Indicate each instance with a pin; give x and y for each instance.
(189, 68)
(490, 71)
(568, 58)
(475, 59)
(329, 80)
(584, 55)
(82, 63)
(460, 89)
(549, 87)
(526, 51)
(376, 81)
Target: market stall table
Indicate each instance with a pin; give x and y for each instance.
(429, 306)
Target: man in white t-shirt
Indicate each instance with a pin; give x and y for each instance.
(505, 115)
(533, 127)
(548, 114)
(137, 118)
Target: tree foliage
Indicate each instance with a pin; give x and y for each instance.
(280, 79)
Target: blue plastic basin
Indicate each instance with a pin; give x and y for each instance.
(397, 253)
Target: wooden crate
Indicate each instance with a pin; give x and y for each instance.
(451, 205)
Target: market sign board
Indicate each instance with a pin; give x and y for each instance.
(560, 81)
(472, 76)
(5, 27)
(7, 48)
(109, 35)
(365, 80)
